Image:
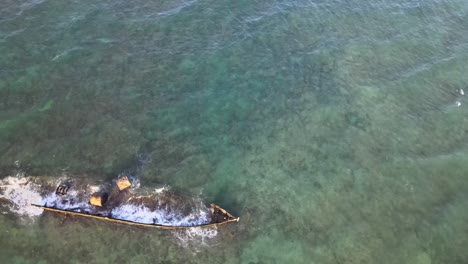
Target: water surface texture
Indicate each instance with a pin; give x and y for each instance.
(337, 130)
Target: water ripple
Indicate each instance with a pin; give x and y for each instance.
(15, 9)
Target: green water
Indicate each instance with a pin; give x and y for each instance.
(336, 130)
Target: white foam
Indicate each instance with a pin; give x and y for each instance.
(21, 193)
(196, 237)
(93, 188)
(54, 200)
(161, 216)
(161, 190)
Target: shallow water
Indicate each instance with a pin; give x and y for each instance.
(336, 130)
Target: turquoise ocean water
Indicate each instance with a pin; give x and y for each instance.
(337, 130)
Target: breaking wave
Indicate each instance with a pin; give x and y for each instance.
(17, 194)
(163, 216)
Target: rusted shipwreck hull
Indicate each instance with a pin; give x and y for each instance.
(101, 202)
(219, 217)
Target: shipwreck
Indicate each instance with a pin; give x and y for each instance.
(117, 205)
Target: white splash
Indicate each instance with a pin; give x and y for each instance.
(161, 190)
(164, 216)
(196, 237)
(93, 188)
(20, 193)
(57, 201)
